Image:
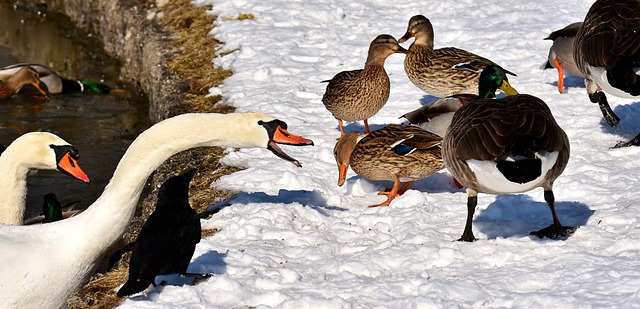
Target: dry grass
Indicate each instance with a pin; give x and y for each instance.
(194, 49)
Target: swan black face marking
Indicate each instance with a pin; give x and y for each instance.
(273, 126)
(67, 162)
(278, 134)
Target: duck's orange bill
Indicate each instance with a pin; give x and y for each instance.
(406, 36)
(282, 136)
(38, 86)
(342, 174)
(70, 166)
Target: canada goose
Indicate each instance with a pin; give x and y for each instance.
(607, 52)
(506, 145)
(43, 264)
(360, 94)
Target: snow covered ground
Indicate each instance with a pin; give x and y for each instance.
(293, 239)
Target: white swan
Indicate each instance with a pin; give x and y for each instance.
(43, 264)
(35, 150)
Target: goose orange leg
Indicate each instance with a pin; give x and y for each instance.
(560, 75)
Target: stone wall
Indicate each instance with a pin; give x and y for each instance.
(139, 42)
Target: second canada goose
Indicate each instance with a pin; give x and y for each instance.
(607, 52)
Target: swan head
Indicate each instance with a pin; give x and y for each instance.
(43, 150)
(277, 134)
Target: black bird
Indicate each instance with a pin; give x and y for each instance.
(167, 240)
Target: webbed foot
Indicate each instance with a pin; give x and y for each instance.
(553, 232)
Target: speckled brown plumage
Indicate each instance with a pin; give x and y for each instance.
(609, 42)
(360, 94)
(398, 153)
(15, 82)
(440, 72)
(490, 130)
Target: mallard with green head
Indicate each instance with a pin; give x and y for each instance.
(436, 116)
(54, 81)
(359, 94)
(440, 72)
(398, 153)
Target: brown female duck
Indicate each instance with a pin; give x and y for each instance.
(360, 94)
(397, 153)
(440, 72)
(13, 83)
(506, 145)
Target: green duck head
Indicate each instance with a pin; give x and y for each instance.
(95, 87)
(493, 78)
(51, 208)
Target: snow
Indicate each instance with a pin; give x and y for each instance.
(293, 239)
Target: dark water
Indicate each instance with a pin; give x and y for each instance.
(100, 126)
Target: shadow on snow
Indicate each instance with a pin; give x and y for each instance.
(313, 199)
(517, 215)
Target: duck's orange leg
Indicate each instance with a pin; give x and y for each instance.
(390, 194)
(404, 187)
(366, 126)
(560, 75)
(341, 128)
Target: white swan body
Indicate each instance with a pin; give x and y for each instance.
(30, 151)
(43, 264)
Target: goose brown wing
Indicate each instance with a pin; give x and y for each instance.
(609, 31)
(486, 129)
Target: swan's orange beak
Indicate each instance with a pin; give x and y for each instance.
(69, 165)
(342, 174)
(282, 136)
(406, 36)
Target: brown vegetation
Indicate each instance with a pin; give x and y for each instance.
(193, 51)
